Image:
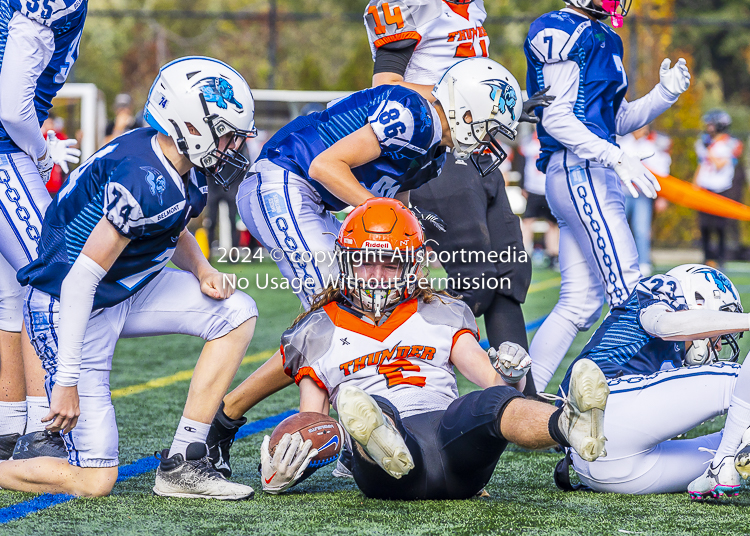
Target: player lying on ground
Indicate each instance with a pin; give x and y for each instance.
(376, 142)
(109, 232)
(39, 47)
(580, 58)
(381, 348)
(662, 387)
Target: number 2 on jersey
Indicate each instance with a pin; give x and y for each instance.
(390, 16)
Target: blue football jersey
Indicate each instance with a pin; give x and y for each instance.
(65, 18)
(597, 49)
(132, 184)
(620, 346)
(406, 125)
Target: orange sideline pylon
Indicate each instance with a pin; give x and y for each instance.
(689, 195)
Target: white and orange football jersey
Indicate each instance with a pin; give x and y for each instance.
(406, 359)
(444, 32)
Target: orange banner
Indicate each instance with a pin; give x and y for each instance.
(689, 195)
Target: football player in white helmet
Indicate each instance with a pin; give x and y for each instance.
(326, 160)
(120, 218)
(660, 387)
(413, 44)
(580, 58)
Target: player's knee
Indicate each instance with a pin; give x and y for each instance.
(236, 319)
(11, 309)
(582, 315)
(96, 481)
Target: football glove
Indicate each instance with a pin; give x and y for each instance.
(675, 80)
(291, 458)
(59, 152)
(632, 173)
(511, 361)
(537, 99)
(429, 217)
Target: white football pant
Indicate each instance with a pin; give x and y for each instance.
(23, 202)
(643, 414)
(285, 213)
(171, 303)
(598, 257)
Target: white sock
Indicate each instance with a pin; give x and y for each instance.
(188, 431)
(12, 417)
(38, 408)
(738, 417)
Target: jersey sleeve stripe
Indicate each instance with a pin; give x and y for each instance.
(309, 372)
(397, 37)
(461, 332)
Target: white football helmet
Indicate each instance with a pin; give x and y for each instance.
(707, 288)
(480, 99)
(196, 101)
(609, 8)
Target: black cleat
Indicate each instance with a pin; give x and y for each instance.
(38, 444)
(194, 477)
(7, 444)
(220, 439)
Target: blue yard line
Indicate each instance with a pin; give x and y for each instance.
(126, 472)
(531, 326)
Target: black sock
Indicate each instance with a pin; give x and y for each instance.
(554, 428)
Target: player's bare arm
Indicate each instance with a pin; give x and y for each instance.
(333, 167)
(471, 361)
(312, 397)
(103, 247)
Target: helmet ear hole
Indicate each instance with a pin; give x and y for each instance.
(193, 131)
(699, 299)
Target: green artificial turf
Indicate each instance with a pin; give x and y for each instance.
(523, 496)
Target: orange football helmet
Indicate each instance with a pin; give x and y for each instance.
(380, 230)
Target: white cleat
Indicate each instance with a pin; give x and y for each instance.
(723, 480)
(742, 459)
(363, 419)
(582, 419)
(193, 476)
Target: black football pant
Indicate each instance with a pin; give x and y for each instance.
(455, 451)
(478, 218)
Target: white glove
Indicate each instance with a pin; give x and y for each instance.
(675, 80)
(62, 151)
(631, 171)
(511, 361)
(289, 461)
(44, 166)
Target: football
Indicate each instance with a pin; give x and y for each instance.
(325, 433)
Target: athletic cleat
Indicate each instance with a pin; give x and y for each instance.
(742, 459)
(363, 419)
(7, 445)
(582, 418)
(195, 477)
(220, 439)
(721, 481)
(343, 467)
(37, 444)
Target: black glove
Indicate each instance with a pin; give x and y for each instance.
(430, 217)
(537, 99)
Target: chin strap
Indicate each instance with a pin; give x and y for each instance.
(457, 151)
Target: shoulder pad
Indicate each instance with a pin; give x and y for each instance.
(388, 21)
(449, 311)
(553, 36)
(306, 342)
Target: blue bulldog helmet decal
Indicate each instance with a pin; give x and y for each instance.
(508, 97)
(219, 91)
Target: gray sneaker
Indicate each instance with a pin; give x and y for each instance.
(195, 477)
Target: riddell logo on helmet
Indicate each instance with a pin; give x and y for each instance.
(377, 244)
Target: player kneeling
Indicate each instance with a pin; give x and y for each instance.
(106, 239)
(381, 348)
